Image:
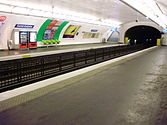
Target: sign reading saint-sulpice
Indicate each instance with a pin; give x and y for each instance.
(24, 26)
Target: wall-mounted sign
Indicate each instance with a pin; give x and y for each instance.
(71, 31)
(94, 30)
(2, 18)
(24, 26)
(165, 31)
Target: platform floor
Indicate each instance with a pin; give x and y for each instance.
(59, 47)
(133, 93)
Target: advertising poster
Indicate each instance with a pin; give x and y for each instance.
(51, 30)
(71, 31)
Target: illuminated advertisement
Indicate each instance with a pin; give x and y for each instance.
(71, 31)
(88, 35)
(51, 30)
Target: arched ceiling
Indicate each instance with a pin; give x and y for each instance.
(115, 10)
(163, 5)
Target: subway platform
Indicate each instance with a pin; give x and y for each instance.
(130, 93)
(56, 49)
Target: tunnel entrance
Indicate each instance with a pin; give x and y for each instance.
(142, 35)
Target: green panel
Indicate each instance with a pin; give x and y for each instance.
(57, 34)
(42, 29)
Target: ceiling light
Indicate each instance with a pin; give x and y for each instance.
(20, 10)
(58, 13)
(150, 9)
(36, 12)
(5, 8)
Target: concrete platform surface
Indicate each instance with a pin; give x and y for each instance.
(133, 93)
(16, 54)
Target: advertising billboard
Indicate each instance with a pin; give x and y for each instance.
(71, 31)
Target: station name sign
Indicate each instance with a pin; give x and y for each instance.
(94, 30)
(24, 26)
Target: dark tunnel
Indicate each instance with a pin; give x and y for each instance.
(143, 35)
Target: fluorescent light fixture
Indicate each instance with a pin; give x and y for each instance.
(57, 13)
(59, 16)
(74, 14)
(47, 14)
(36, 13)
(147, 17)
(150, 9)
(20, 10)
(5, 8)
(5, 2)
(111, 22)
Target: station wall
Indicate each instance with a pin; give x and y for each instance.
(7, 27)
(85, 28)
(164, 39)
(10, 22)
(114, 37)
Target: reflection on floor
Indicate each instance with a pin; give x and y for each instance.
(133, 93)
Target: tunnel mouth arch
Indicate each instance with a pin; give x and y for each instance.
(142, 34)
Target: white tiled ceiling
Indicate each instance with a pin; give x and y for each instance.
(163, 5)
(103, 9)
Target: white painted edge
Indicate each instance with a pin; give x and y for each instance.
(35, 54)
(28, 88)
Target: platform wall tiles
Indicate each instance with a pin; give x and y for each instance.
(13, 19)
(164, 39)
(85, 28)
(114, 37)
